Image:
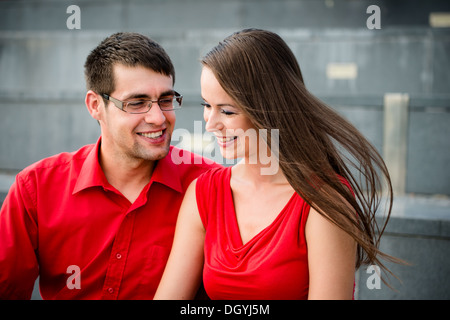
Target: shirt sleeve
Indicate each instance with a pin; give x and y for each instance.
(18, 242)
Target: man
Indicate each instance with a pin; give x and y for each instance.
(98, 223)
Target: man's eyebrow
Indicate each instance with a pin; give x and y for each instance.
(146, 96)
(168, 93)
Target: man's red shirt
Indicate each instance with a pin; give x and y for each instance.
(63, 221)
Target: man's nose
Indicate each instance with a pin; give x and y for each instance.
(155, 115)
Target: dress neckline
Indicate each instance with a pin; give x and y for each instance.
(235, 237)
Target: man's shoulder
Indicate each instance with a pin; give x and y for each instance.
(189, 164)
(59, 160)
(190, 160)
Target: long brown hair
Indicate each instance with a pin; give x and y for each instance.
(317, 147)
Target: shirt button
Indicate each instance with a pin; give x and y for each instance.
(111, 290)
(118, 256)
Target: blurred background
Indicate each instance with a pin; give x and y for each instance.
(385, 68)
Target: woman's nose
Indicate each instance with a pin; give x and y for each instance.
(212, 119)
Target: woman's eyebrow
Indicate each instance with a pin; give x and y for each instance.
(220, 104)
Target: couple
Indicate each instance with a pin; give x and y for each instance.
(101, 222)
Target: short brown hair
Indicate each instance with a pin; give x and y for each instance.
(127, 48)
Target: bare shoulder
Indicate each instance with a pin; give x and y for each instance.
(331, 258)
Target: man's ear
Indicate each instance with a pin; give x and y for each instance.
(94, 104)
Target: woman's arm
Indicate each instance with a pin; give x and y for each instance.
(181, 278)
(331, 259)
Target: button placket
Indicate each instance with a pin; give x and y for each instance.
(117, 261)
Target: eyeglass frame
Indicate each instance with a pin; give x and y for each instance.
(115, 101)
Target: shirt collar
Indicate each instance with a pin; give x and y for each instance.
(91, 173)
(166, 172)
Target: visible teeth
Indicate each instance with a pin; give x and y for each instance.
(225, 139)
(152, 135)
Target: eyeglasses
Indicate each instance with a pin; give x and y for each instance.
(168, 103)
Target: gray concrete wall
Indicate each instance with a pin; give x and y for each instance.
(419, 234)
(346, 64)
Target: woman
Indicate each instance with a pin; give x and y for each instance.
(299, 232)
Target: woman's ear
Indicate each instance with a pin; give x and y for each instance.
(94, 103)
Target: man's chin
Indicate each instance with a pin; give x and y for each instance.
(157, 153)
